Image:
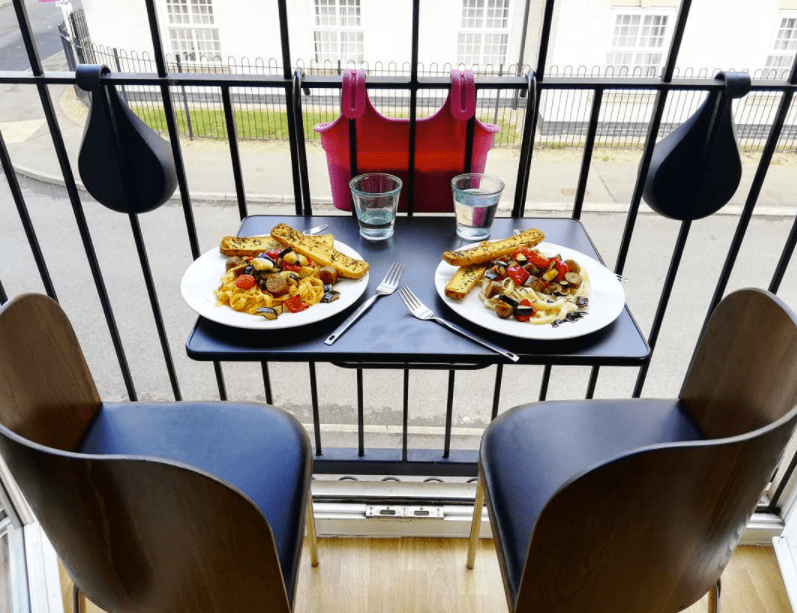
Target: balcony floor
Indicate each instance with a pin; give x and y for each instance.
(416, 575)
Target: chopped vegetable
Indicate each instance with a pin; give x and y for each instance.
(295, 304)
(244, 281)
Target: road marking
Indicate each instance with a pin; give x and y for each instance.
(15, 132)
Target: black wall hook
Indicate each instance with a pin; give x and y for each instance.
(122, 162)
(696, 169)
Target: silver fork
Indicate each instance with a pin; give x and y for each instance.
(385, 288)
(421, 311)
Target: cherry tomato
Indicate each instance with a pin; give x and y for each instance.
(295, 304)
(274, 253)
(244, 281)
(526, 302)
(291, 267)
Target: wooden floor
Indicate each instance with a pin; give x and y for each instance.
(416, 575)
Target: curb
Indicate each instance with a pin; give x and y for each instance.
(324, 204)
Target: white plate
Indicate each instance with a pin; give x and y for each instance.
(606, 301)
(203, 277)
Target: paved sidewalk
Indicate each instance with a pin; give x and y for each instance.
(268, 178)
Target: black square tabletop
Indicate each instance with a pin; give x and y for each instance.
(388, 334)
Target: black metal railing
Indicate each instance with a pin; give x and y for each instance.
(536, 88)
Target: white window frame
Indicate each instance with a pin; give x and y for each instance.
(631, 64)
(784, 43)
(480, 42)
(345, 41)
(198, 28)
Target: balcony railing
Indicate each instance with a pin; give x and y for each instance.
(673, 266)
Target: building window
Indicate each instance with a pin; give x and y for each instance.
(338, 34)
(781, 55)
(638, 43)
(484, 32)
(192, 30)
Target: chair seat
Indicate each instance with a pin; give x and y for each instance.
(262, 452)
(530, 451)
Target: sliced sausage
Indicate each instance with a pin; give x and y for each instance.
(574, 279)
(328, 275)
(276, 285)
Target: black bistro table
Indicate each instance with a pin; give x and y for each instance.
(389, 336)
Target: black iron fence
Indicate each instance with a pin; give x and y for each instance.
(261, 113)
(647, 105)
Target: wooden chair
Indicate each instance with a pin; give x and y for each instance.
(636, 505)
(152, 507)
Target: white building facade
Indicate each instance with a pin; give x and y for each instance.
(622, 35)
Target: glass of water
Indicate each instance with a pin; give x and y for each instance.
(476, 197)
(376, 198)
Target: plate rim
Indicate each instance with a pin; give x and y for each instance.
(260, 323)
(564, 333)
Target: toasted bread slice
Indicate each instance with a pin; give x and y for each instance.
(464, 280)
(252, 245)
(488, 251)
(319, 252)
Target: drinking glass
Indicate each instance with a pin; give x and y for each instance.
(476, 197)
(376, 198)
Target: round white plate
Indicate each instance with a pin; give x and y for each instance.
(204, 275)
(606, 301)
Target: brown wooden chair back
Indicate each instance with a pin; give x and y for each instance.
(135, 534)
(653, 530)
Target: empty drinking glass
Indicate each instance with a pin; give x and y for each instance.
(476, 197)
(376, 198)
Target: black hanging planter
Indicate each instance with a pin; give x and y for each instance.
(123, 163)
(696, 169)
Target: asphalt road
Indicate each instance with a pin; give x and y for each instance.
(44, 19)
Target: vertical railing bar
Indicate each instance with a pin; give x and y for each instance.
(266, 382)
(499, 375)
(101, 98)
(154, 304)
(24, 216)
(220, 380)
(545, 37)
(753, 193)
(232, 139)
(449, 414)
(784, 481)
(296, 168)
(298, 118)
(650, 141)
(405, 418)
(360, 414)
(316, 414)
(74, 197)
(647, 152)
(581, 190)
(416, 16)
(546, 379)
(592, 383)
(177, 154)
(521, 55)
(171, 125)
(675, 262)
(526, 146)
(785, 258)
(155, 34)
